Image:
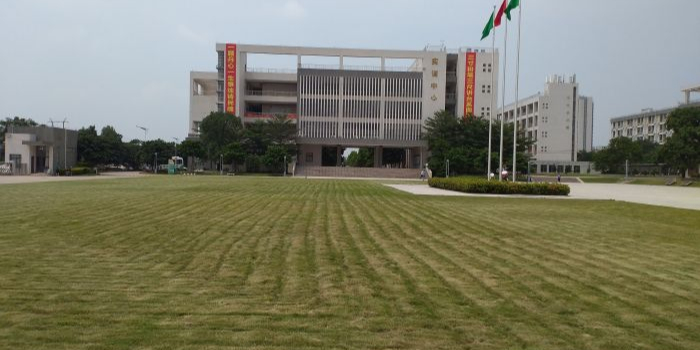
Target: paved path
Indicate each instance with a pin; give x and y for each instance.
(22, 179)
(676, 197)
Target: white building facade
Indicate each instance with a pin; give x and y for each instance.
(344, 105)
(559, 121)
(648, 124)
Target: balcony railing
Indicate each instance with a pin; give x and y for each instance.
(271, 93)
(270, 70)
(268, 115)
(363, 68)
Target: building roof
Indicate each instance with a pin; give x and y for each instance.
(645, 113)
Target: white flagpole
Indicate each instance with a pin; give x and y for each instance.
(517, 77)
(503, 101)
(493, 68)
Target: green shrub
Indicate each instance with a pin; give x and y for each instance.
(76, 171)
(495, 187)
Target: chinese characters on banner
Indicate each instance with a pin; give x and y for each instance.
(434, 83)
(469, 78)
(230, 79)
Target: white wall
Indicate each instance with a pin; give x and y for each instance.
(13, 145)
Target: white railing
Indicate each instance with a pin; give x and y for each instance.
(271, 70)
(363, 68)
(271, 93)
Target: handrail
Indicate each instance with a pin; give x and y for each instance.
(271, 93)
(269, 115)
(270, 70)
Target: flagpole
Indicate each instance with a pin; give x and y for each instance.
(503, 102)
(493, 68)
(517, 77)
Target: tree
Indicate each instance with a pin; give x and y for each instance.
(191, 148)
(217, 131)
(682, 149)
(622, 149)
(464, 141)
(113, 147)
(364, 157)
(274, 157)
(146, 154)
(234, 153)
(6, 125)
(90, 146)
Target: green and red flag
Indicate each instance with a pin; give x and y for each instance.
(511, 6)
(499, 14)
(487, 29)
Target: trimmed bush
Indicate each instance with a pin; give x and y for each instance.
(496, 187)
(77, 171)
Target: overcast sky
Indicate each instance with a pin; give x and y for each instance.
(124, 63)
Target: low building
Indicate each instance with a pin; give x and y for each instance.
(558, 121)
(40, 149)
(648, 124)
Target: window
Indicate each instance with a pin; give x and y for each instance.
(196, 126)
(309, 157)
(640, 130)
(16, 158)
(650, 129)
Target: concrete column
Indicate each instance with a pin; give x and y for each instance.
(383, 63)
(687, 97)
(341, 62)
(378, 156)
(298, 61)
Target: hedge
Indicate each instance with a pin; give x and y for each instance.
(77, 171)
(496, 187)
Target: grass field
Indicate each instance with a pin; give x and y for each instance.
(259, 263)
(601, 179)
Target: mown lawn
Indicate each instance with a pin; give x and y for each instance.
(258, 263)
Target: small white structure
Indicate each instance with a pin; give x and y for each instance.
(40, 149)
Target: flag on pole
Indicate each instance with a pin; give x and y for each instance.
(497, 21)
(511, 6)
(487, 29)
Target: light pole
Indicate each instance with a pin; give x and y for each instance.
(447, 168)
(221, 164)
(176, 142)
(284, 173)
(145, 133)
(155, 163)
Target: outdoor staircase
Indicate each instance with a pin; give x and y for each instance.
(330, 171)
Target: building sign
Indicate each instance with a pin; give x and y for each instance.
(469, 78)
(230, 79)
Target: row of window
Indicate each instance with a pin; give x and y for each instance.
(640, 120)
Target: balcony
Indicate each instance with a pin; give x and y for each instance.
(259, 115)
(271, 93)
(271, 96)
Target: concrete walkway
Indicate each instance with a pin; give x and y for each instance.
(23, 179)
(675, 197)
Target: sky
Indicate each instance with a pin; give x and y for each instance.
(126, 63)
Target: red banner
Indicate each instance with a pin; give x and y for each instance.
(469, 79)
(230, 79)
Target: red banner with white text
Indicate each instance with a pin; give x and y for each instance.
(469, 79)
(230, 79)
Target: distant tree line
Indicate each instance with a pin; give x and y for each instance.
(260, 146)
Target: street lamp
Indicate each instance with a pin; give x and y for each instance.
(221, 164)
(176, 142)
(145, 133)
(155, 163)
